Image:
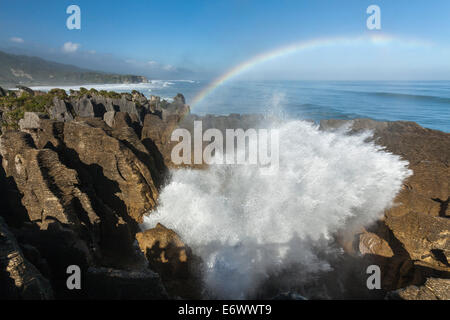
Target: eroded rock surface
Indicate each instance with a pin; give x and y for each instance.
(84, 187)
(433, 289)
(168, 255)
(165, 250)
(113, 157)
(417, 227)
(19, 279)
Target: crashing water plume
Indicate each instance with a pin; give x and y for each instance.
(246, 225)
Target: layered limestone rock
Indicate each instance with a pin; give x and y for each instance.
(433, 289)
(158, 127)
(61, 110)
(152, 120)
(370, 243)
(32, 170)
(165, 250)
(156, 136)
(115, 157)
(112, 157)
(65, 221)
(31, 120)
(95, 104)
(117, 120)
(19, 279)
(417, 228)
(168, 255)
(424, 237)
(85, 187)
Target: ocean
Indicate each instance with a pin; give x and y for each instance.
(425, 102)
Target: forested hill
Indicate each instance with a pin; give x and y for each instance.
(26, 70)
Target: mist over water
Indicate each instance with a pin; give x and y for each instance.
(246, 225)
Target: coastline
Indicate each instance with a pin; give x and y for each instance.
(87, 168)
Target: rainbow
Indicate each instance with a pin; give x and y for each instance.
(296, 47)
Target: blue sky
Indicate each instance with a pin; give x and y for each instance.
(202, 39)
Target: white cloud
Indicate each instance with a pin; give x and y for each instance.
(152, 63)
(17, 40)
(70, 47)
(169, 67)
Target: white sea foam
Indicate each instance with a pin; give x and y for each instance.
(144, 87)
(245, 225)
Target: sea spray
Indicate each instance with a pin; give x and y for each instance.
(246, 225)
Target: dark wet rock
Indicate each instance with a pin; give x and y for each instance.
(11, 209)
(3, 92)
(19, 279)
(60, 246)
(108, 283)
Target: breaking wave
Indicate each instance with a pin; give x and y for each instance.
(246, 225)
(158, 87)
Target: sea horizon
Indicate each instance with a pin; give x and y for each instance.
(426, 102)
